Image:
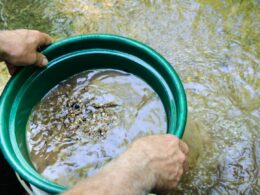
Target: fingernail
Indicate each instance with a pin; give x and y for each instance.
(44, 62)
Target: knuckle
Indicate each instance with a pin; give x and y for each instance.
(178, 177)
(185, 145)
(172, 177)
(177, 181)
(35, 36)
(175, 140)
(139, 143)
(187, 148)
(36, 33)
(181, 171)
(169, 136)
(174, 185)
(182, 157)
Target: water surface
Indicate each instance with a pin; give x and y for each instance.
(89, 119)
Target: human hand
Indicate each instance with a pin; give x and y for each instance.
(151, 163)
(163, 160)
(19, 48)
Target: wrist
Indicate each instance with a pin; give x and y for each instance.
(125, 175)
(135, 171)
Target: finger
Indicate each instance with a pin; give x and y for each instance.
(43, 39)
(12, 68)
(180, 173)
(184, 148)
(41, 60)
(186, 166)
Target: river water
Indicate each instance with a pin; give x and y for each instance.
(215, 48)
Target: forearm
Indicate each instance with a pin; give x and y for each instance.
(121, 176)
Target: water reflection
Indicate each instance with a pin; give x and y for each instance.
(214, 45)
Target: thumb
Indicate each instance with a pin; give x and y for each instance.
(41, 60)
